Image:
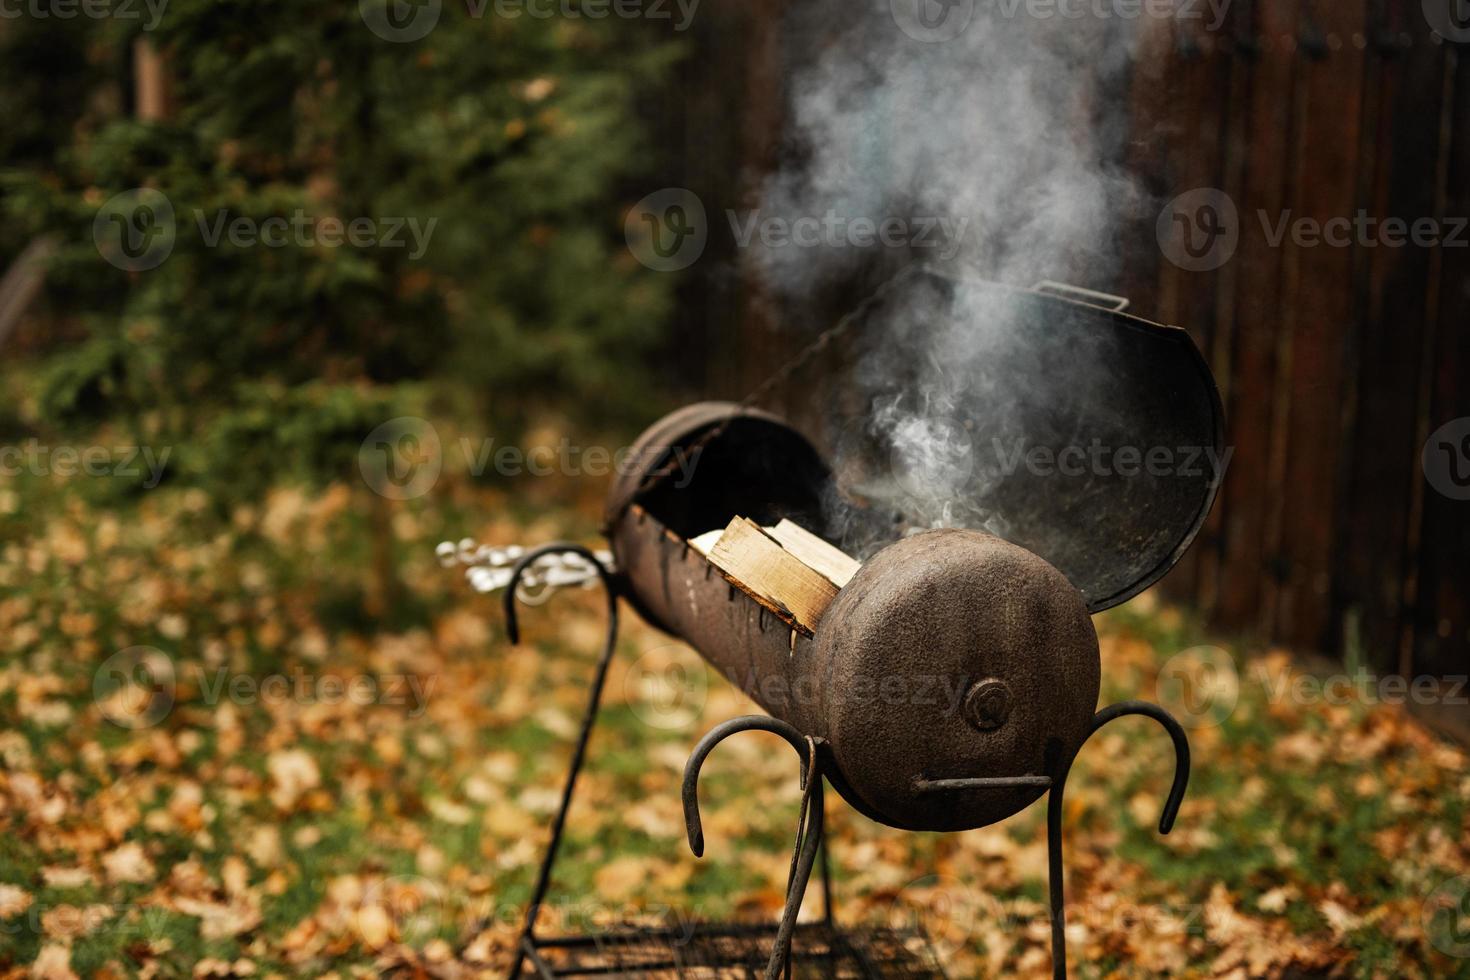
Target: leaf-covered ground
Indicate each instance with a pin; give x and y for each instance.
(324, 777)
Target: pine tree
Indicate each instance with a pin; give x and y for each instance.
(507, 141)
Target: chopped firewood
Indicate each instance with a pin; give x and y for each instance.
(705, 543)
(754, 562)
(835, 565)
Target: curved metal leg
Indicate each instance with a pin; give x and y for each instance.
(594, 699)
(829, 914)
(1054, 813)
(809, 824)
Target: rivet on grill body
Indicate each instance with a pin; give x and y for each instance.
(988, 705)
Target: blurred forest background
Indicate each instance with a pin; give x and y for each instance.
(233, 834)
(521, 137)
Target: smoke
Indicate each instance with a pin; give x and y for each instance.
(1009, 131)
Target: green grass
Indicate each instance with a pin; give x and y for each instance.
(1296, 813)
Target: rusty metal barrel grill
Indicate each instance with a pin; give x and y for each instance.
(947, 681)
(953, 679)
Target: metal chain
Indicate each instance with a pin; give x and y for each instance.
(491, 569)
(778, 378)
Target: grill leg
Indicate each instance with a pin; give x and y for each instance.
(1054, 814)
(809, 824)
(527, 950)
(527, 945)
(828, 912)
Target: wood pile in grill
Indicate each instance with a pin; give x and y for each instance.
(785, 568)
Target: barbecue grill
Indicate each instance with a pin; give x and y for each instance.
(999, 611)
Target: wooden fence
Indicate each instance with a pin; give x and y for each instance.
(1336, 363)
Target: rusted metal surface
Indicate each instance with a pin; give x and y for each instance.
(677, 589)
(945, 683)
(956, 660)
(759, 469)
(713, 951)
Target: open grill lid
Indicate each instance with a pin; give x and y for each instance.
(1090, 437)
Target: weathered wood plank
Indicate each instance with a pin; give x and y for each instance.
(1237, 70)
(1325, 182)
(1193, 134)
(1441, 605)
(835, 565)
(1258, 322)
(753, 561)
(1374, 525)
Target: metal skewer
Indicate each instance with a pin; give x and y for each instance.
(490, 569)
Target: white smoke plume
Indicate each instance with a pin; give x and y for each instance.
(1010, 131)
(1005, 127)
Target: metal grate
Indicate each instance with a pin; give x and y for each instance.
(709, 951)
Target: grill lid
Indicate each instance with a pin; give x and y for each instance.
(1090, 437)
